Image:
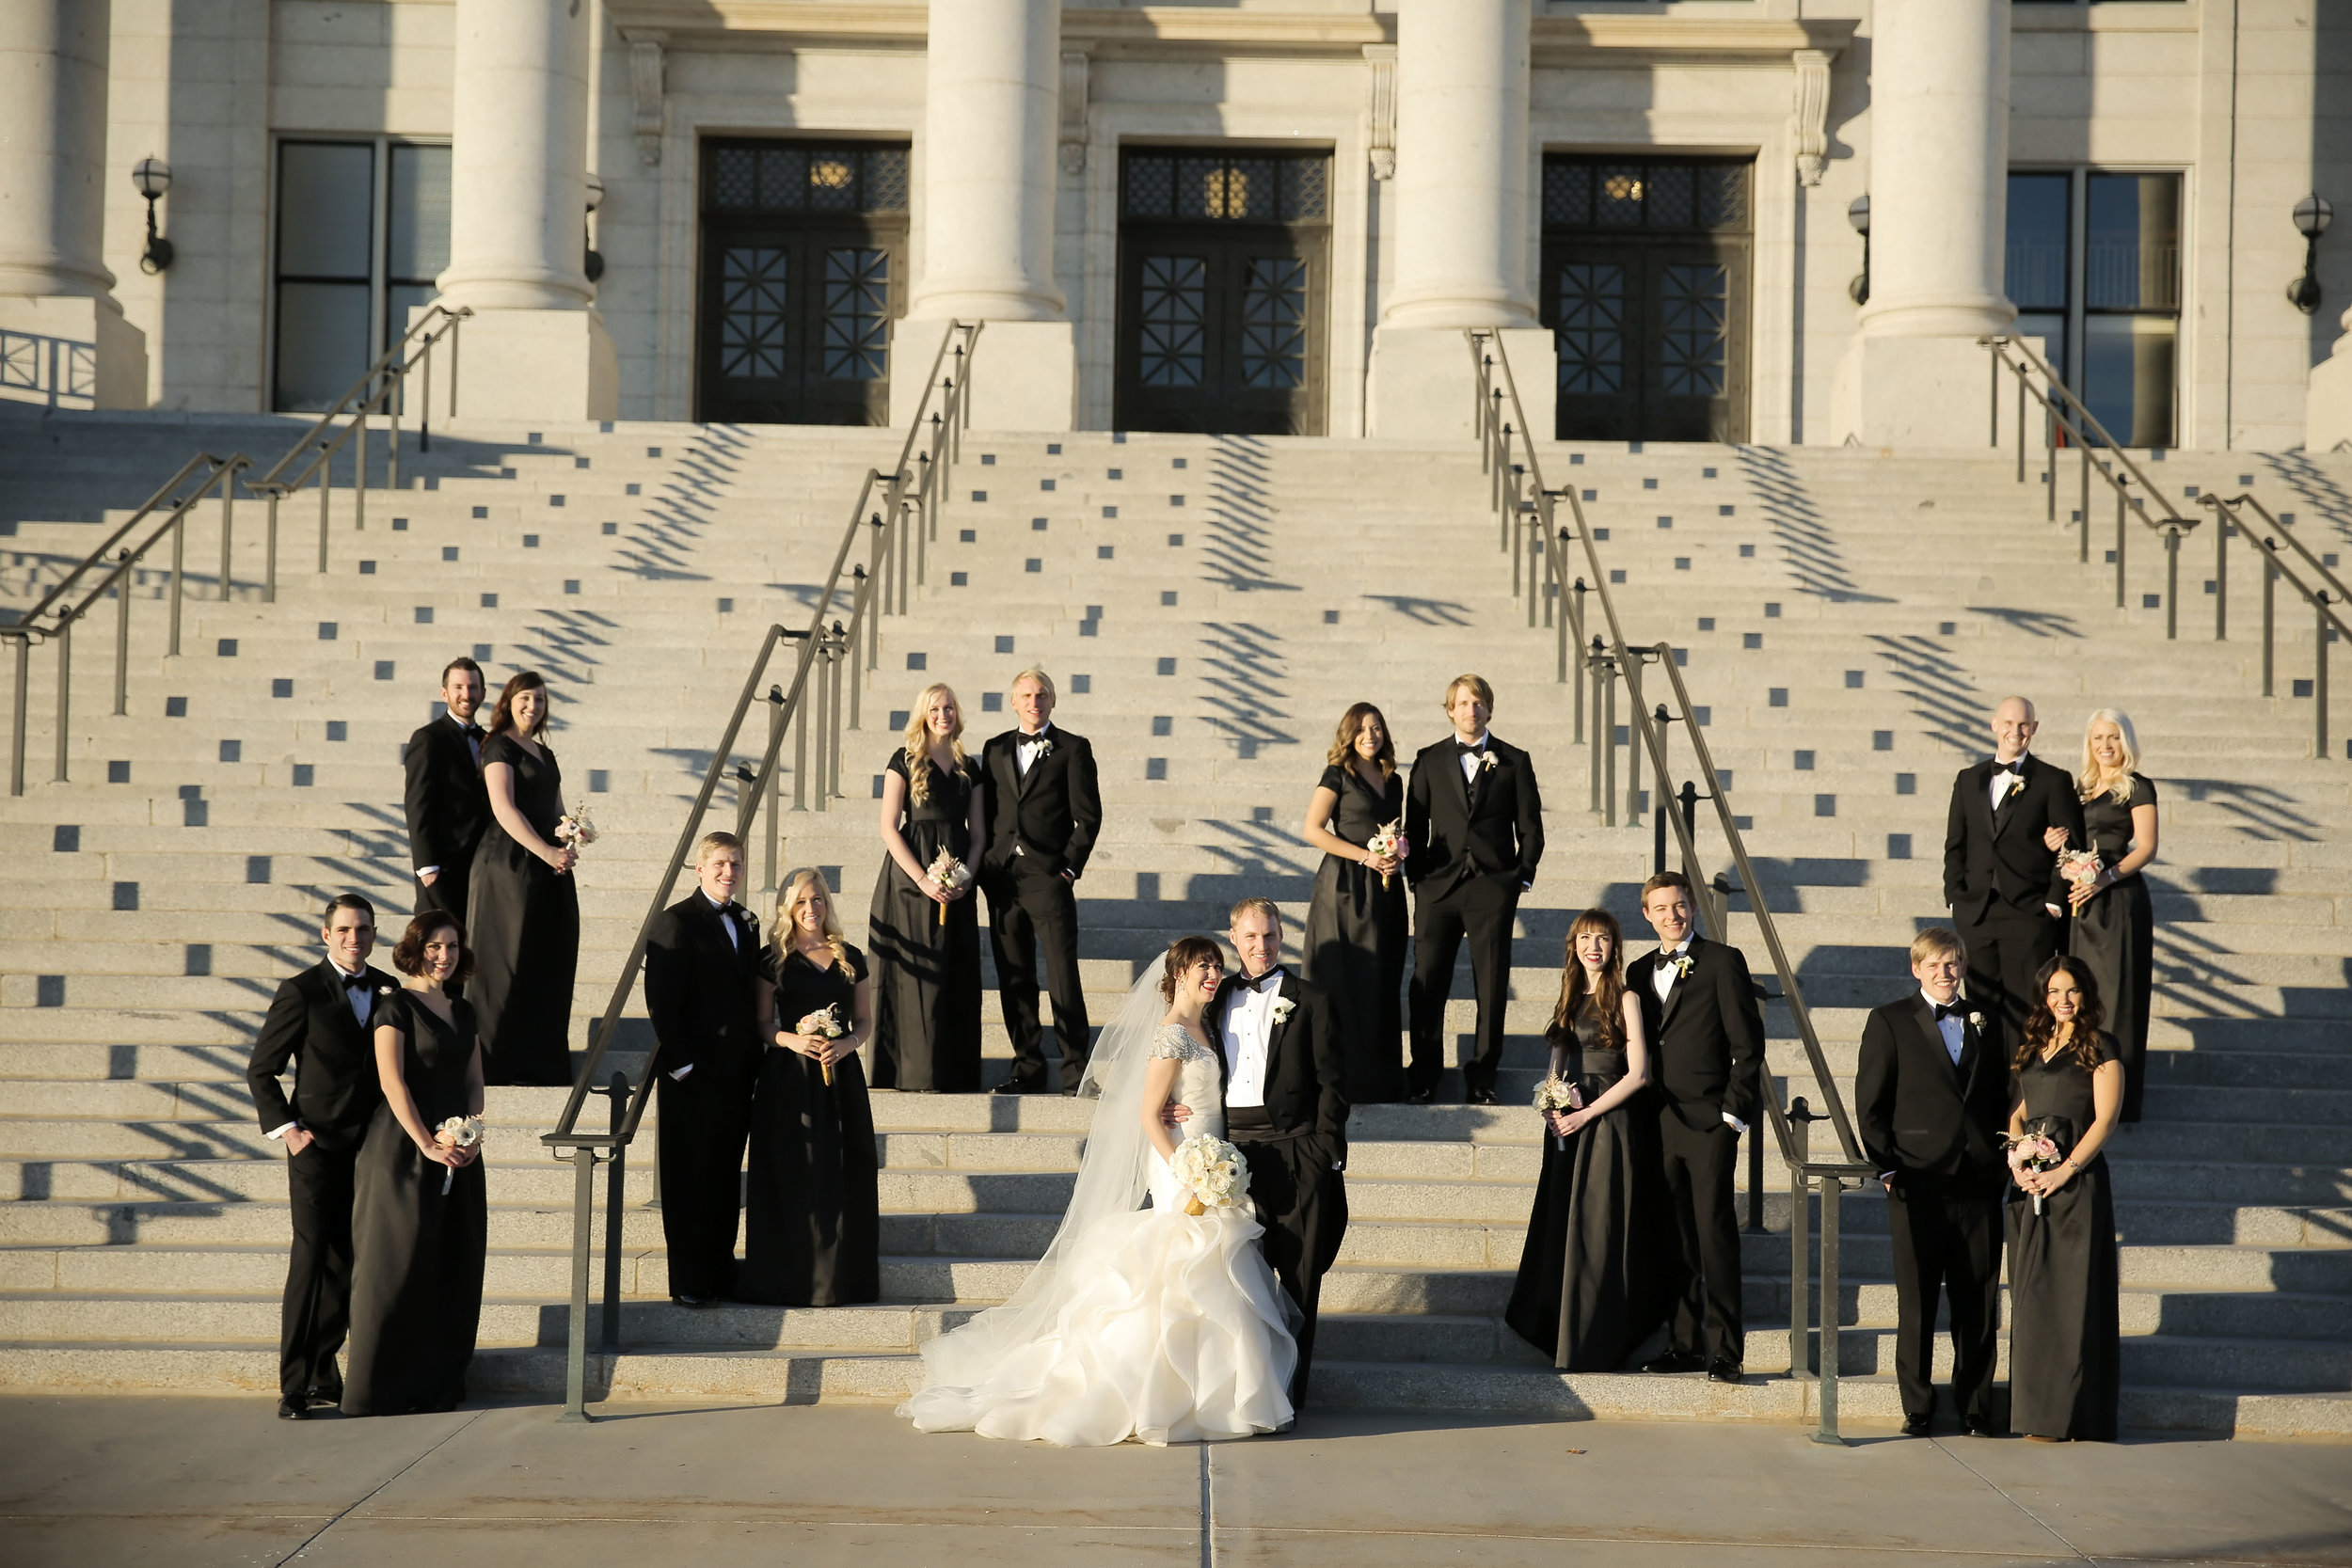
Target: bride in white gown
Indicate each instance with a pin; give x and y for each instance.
(1143, 1322)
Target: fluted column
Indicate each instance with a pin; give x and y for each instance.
(57, 297)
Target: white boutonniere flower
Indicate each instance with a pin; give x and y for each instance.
(383, 990)
(1683, 965)
(1976, 1022)
(1044, 749)
(1488, 761)
(1283, 1007)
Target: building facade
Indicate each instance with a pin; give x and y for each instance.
(1270, 216)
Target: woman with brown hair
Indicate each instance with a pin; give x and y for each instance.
(925, 932)
(811, 1211)
(2064, 1350)
(1587, 1288)
(523, 901)
(1354, 950)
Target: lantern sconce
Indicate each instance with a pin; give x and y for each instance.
(153, 177)
(592, 262)
(1858, 213)
(2313, 215)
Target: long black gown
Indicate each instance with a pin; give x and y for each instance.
(2065, 1353)
(1356, 939)
(927, 981)
(811, 1211)
(526, 931)
(2115, 933)
(415, 1278)
(1588, 1285)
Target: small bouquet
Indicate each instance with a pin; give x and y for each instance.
(2035, 1151)
(1213, 1170)
(829, 1024)
(2081, 867)
(456, 1133)
(1555, 1094)
(949, 873)
(576, 829)
(1390, 840)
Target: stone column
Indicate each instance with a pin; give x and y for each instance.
(1463, 160)
(1939, 200)
(536, 347)
(990, 130)
(63, 330)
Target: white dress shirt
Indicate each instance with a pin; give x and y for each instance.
(1473, 761)
(1952, 1028)
(1026, 749)
(1244, 1035)
(2004, 783)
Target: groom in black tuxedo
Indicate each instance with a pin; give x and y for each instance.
(2001, 880)
(702, 974)
(1285, 1109)
(1475, 826)
(447, 805)
(1707, 1058)
(1931, 1104)
(318, 1020)
(1043, 812)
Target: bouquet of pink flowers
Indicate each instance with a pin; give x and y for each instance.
(949, 873)
(575, 829)
(1390, 840)
(2080, 866)
(2035, 1151)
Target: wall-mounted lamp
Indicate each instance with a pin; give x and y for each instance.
(2312, 217)
(153, 177)
(1858, 213)
(592, 264)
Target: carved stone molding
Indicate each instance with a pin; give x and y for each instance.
(1811, 117)
(1381, 57)
(646, 90)
(1073, 111)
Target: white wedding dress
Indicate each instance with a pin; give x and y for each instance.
(1141, 1323)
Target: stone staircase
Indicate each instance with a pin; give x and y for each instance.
(1209, 606)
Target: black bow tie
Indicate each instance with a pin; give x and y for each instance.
(357, 982)
(1948, 1010)
(2014, 770)
(473, 731)
(1271, 978)
(1037, 739)
(1464, 749)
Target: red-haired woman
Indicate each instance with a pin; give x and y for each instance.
(1587, 1285)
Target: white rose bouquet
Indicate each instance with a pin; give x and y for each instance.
(1558, 1095)
(577, 830)
(829, 1024)
(1213, 1170)
(456, 1133)
(1390, 840)
(949, 873)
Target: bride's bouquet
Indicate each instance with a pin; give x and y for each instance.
(1390, 840)
(1215, 1172)
(456, 1133)
(949, 873)
(1558, 1094)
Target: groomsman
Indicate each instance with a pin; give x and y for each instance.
(1043, 812)
(1285, 1111)
(2002, 881)
(1930, 1104)
(447, 807)
(318, 1022)
(1475, 824)
(702, 974)
(1707, 1058)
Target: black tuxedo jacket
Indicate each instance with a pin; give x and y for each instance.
(1491, 826)
(449, 807)
(1302, 1067)
(1707, 1037)
(1046, 822)
(1996, 869)
(700, 989)
(336, 1086)
(1920, 1116)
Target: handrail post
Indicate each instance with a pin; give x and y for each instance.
(179, 556)
(227, 526)
(2049, 462)
(327, 473)
(775, 789)
(1591, 664)
(396, 394)
(615, 1177)
(2320, 633)
(269, 585)
(1659, 813)
(1633, 746)
(838, 655)
(1993, 364)
(1576, 626)
(1800, 1121)
(2082, 518)
(2171, 585)
(2020, 424)
(2120, 510)
(122, 641)
(800, 756)
(1609, 740)
(65, 691)
(16, 725)
(858, 595)
(2270, 618)
(583, 1162)
(2223, 523)
(1831, 1313)
(359, 471)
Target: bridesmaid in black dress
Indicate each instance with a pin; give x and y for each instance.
(1587, 1288)
(925, 935)
(2115, 925)
(2065, 1354)
(1356, 926)
(812, 1221)
(419, 1220)
(524, 904)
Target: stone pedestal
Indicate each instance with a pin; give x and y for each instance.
(1423, 381)
(1025, 375)
(2327, 400)
(525, 365)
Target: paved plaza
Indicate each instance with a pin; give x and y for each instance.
(211, 1481)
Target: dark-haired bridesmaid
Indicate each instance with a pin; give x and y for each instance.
(1587, 1292)
(1353, 949)
(524, 902)
(419, 1216)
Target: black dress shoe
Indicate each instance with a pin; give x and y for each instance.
(1723, 1370)
(1021, 1085)
(327, 1396)
(1422, 1096)
(1483, 1097)
(1976, 1426)
(684, 1300)
(1674, 1361)
(1917, 1426)
(294, 1410)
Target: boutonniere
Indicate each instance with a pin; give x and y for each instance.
(1683, 965)
(1283, 1007)
(383, 990)
(1976, 1022)
(1486, 762)
(1044, 749)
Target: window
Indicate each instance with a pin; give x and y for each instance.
(2094, 270)
(362, 232)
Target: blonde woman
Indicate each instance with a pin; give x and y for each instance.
(924, 929)
(812, 1222)
(1356, 927)
(2114, 929)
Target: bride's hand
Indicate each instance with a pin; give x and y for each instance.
(1176, 1113)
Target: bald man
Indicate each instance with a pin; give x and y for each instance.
(2000, 878)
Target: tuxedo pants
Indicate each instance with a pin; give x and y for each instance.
(1703, 1268)
(1028, 910)
(706, 1120)
(1302, 1202)
(2004, 955)
(317, 1311)
(449, 889)
(1953, 1245)
(1481, 909)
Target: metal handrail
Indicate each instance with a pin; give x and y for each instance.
(2325, 601)
(912, 503)
(1498, 436)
